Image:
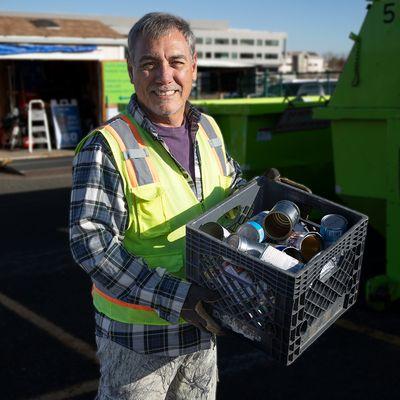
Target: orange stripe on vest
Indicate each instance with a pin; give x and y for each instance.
(119, 302)
(129, 166)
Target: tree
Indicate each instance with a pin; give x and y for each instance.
(334, 62)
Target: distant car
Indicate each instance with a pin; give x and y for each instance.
(322, 87)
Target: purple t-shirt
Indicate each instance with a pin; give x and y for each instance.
(180, 143)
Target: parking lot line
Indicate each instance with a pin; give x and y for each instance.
(89, 352)
(365, 330)
(53, 330)
(70, 392)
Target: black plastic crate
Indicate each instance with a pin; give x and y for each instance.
(280, 312)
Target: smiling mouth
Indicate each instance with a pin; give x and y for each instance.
(165, 93)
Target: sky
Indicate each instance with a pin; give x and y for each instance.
(314, 25)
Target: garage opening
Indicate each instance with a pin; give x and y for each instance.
(74, 82)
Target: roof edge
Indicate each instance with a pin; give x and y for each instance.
(62, 40)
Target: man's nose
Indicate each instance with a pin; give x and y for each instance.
(165, 73)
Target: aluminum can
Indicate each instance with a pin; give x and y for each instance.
(238, 273)
(254, 228)
(281, 220)
(333, 226)
(239, 289)
(260, 217)
(307, 243)
(295, 253)
(215, 229)
(243, 244)
(244, 291)
(263, 251)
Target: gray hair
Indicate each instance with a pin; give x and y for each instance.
(156, 24)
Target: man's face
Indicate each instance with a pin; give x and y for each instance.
(163, 71)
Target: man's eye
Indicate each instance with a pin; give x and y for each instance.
(148, 65)
(177, 63)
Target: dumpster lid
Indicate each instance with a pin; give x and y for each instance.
(370, 78)
(255, 106)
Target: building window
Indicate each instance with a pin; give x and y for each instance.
(272, 42)
(199, 54)
(208, 54)
(221, 41)
(234, 55)
(259, 55)
(199, 40)
(271, 56)
(246, 55)
(248, 42)
(259, 42)
(234, 41)
(208, 40)
(221, 55)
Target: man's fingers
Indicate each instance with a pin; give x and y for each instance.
(211, 325)
(193, 318)
(212, 296)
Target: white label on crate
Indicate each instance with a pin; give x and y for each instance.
(327, 270)
(278, 259)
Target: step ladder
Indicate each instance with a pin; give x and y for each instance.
(38, 127)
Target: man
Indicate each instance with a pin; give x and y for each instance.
(137, 181)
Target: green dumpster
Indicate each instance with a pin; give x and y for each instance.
(275, 132)
(365, 115)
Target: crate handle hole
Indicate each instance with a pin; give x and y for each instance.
(349, 284)
(303, 327)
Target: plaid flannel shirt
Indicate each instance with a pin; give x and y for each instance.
(98, 220)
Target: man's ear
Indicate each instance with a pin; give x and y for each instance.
(194, 66)
(130, 70)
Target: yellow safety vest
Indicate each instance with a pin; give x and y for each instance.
(160, 202)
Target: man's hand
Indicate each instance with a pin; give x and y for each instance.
(193, 310)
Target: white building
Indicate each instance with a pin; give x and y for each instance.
(218, 45)
(302, 62)
(315, 63)
(287, 66)
(238, 47)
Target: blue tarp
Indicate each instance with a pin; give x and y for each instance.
(9, 49)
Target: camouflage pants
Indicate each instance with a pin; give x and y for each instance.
(127, 375)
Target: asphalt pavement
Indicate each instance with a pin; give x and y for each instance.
(46, 320)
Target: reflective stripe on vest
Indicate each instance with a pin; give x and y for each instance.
(134, 150)
(215, 142)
